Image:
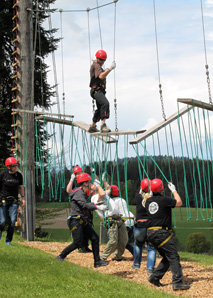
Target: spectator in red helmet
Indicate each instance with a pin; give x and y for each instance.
(79, 221)
(98, 90)
(118, 236)
(158, 208)
(11, 185)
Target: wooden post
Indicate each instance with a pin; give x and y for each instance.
(26, 94)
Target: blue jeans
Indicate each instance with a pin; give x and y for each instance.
(139, 240)
(8, 211)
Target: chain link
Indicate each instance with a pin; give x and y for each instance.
(208, 82)
(116, 116)
(63, 96)
(93, 106)
(162, 105)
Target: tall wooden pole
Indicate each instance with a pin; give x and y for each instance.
(26, 95)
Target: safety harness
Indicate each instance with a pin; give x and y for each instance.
(162, 228)
(113, 220)
(8, 199)
(84, 220)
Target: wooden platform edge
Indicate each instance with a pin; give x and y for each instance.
(157, 127)
(80, 124)
(196, 103)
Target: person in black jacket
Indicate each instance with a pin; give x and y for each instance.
(159, 225)
(11, 184)
(79, 221)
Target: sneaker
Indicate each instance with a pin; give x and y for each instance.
(93, 129)
(8, 243)
(101, 263)
(59, 258)
(104, 128)
(155, 281)
(135, 266)
(180, 286)
(149, 272)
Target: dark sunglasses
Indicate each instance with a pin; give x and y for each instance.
(102, 59)
(13, 166)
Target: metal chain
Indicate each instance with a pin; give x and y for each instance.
(116, 116)
(93, 106)
(162, 105)
(208, 82)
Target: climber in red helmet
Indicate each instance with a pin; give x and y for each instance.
(159, 225)
(11, 185)
(98, 90)
(79, 221)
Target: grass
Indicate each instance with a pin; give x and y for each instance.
(31, 273)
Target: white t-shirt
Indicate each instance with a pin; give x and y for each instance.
(112, 210)
(123, 210)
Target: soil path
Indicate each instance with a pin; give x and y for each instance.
(200, 278)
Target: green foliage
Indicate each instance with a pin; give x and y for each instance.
(197, 243)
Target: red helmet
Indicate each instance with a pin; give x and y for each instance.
(101, 54)
(83, 177)
(114, 190)
(156, 185)
(10, 161)
(145, 184)
(77, 169)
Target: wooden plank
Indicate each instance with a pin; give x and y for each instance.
(160, 125)
(196, 103)
(120, 132)
(80, 124)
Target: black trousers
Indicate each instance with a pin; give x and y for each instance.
(78, 238)
(102, 104)
(169, 253)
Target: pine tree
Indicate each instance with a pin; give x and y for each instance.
(43, 92)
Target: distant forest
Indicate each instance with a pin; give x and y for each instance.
(192, 178)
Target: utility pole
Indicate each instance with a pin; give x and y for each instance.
(26, 102)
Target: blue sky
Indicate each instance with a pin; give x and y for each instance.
(135, 80)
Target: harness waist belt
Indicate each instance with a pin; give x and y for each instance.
(158, 228)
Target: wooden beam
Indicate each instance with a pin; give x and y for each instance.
(41, 113)
(80, 124)
(159, 126)
(196, 103)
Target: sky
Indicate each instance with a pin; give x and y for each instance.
(129, 38)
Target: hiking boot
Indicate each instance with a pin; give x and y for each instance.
(59, 258)
(117, 259)
(101, 263)
(135, 266)
(8, 243)
(93, 129)
(180, 286)
(104, 128)
(155, 281)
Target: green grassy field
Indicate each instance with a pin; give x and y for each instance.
(183, 227)
(31, 273)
